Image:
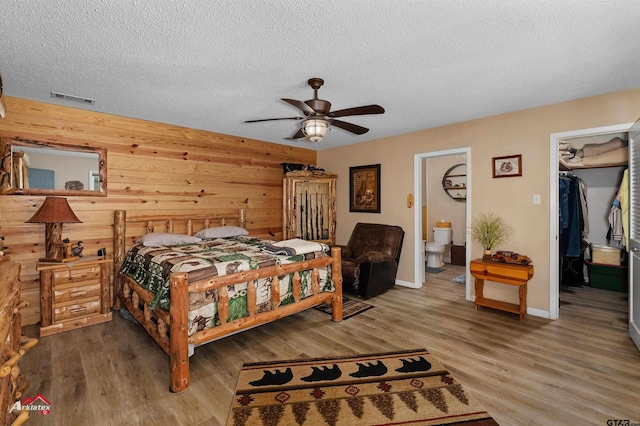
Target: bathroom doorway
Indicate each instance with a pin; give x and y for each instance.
(426, 183)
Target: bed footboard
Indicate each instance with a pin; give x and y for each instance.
(179, 353)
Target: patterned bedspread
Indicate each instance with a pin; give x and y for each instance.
(151, 268)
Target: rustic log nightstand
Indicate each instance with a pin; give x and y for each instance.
(74, 294)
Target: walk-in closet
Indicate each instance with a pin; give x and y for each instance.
(592, 244)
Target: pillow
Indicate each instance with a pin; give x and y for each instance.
(221, 232)
(157, 239)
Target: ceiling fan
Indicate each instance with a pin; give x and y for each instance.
(318, 115)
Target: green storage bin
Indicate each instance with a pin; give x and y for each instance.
(608, 277)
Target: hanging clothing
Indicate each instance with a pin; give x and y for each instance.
(571, 215)
(619, 214)
(563, 198)
(574, 227)
(615, 223)
(623, 196)
(582, 190)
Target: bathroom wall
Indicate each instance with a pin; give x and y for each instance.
(439, 205)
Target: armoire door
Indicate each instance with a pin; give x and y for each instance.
(634, 235)
(309, 206)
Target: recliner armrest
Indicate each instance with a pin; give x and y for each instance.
(345, 251)
(374, 256)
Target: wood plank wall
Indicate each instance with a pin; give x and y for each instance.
(152, 168)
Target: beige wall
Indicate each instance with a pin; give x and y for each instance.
(524, 132)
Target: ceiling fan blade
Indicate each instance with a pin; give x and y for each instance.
(350, 127)
(362, 110)
(274, 119)
(300, 105)
(299, 134)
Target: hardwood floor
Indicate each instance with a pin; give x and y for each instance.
(581, 369)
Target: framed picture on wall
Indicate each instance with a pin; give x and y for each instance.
(507, 166)
(364, 189)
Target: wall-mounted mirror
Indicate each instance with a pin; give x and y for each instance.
(44, 168)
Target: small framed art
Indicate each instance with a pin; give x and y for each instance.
(364, 189)
(507, 166)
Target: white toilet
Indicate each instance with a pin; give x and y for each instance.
(435, 250)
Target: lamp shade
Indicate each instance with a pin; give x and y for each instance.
(315, 129)
(54, 210)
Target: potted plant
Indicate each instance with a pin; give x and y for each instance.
(489, 230)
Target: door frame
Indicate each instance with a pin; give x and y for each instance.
(554, 243)
(418, 160)
(634, 256)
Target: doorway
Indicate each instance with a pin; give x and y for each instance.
(554, 248)
(419, 190)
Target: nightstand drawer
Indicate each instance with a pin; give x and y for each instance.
(77, 275)
(76, 310)
(66, 293)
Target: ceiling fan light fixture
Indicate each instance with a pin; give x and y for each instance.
(318, 116)
(315, 129)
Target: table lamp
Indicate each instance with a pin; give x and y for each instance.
(53, 213)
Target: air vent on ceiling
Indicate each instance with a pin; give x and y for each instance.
(72, 98)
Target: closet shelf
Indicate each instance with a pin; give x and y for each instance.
(614, 153)
(563, 167)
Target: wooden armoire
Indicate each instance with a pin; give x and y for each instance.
(309, 206)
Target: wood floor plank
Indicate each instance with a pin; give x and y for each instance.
(581, 369)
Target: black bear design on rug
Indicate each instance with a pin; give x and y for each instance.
(370, 369)
(274, 378)
(325, 373)
(411, 365)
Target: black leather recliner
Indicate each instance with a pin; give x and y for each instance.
(370, 259)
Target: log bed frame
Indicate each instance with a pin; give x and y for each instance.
(170, 330)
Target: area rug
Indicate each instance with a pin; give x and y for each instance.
(408, 387)
(350, 307)
(431, 270)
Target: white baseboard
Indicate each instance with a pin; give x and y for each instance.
(634, 333)
(538, 313)
(530, 311)
(407, 284)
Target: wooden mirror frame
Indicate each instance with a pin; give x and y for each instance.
(6, 145)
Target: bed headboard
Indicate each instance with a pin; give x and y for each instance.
(126, 230)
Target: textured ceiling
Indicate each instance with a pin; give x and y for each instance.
(211, 64)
